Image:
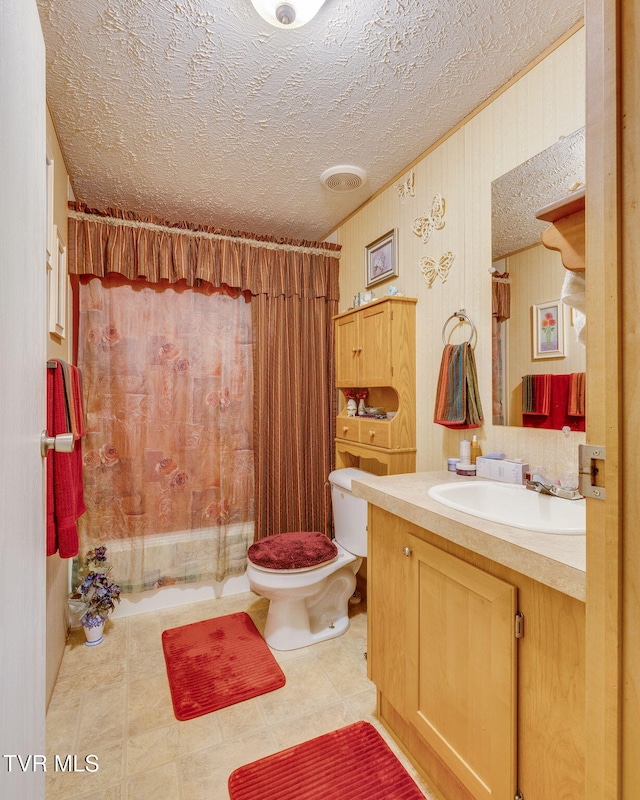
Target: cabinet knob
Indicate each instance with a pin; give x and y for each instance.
(406, 551)
(372, 434)
(345, 428)
(354, 350)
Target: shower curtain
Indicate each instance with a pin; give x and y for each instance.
(168, 456)
(294, 290)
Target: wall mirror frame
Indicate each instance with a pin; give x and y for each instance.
(535, 276)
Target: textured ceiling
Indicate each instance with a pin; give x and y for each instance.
(198, 110)
(520, 193)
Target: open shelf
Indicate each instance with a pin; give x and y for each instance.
(566, 233)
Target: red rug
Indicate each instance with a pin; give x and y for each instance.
(352, 763)
(217, 663)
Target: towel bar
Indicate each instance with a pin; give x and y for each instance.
(459, 315)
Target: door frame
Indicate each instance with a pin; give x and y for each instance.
(613, 366)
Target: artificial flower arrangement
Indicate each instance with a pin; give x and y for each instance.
(355, 394)
(96, 596)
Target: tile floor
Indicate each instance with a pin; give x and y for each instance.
(113, 701)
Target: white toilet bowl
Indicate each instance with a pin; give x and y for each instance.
(311, 604)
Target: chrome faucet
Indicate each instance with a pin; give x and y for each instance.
(542, 486)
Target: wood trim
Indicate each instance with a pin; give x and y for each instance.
(573, 29)
(603, 641)
(564, 207)
(629, 165)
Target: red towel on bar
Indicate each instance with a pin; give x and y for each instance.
(65, 494)
(558, 415)
(577, 394)
(536, 394)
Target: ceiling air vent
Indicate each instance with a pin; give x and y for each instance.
(343, 178)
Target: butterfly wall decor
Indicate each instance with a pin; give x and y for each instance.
(431, 270)
(431, 221)
(406, 189)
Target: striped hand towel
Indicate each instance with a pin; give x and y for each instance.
(536, 394)
(457, 397)
(577, 392)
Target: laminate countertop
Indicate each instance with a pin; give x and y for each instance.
(556, 560)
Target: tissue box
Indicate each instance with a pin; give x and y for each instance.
(501, 470)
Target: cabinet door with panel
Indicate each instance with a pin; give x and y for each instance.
(461, 692)
(442, 652)
(374, 360)
(347, 342)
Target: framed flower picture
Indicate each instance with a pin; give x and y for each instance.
(547, 321)
(381, 260)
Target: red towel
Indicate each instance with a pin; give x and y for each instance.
(536, 394)
(558, 415)
(577, 394)
(76, 395)
(65, 494)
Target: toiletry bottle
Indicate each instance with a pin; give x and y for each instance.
(475, 449)
(465, 451)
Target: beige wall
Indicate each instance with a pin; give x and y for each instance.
(57, 568)
(546, 103)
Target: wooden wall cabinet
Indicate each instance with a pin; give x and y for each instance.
(482, 714)
(375, 350)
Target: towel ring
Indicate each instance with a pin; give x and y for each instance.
(461, 316)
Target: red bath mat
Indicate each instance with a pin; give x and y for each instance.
(217, 663)
(352, 763)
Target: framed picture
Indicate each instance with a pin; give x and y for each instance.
(548, 330)
(380, 261)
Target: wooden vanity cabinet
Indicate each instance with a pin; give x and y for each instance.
(482, 713)
(375, 350)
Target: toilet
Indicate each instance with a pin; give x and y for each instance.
(308, 578)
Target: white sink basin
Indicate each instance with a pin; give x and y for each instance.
(513, 505)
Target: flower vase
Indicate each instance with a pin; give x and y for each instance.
(93, 629)
(361, 408)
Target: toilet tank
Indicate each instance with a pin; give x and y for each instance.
(349, 512)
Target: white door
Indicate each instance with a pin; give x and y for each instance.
(22, 399)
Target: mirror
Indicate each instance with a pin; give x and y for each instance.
(523, 344)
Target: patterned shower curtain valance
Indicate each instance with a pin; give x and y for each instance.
(111, 240)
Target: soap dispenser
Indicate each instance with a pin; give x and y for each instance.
(475, 449)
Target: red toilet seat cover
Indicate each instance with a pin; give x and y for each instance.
(292, 550)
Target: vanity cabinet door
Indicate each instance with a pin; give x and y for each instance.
(461, 691)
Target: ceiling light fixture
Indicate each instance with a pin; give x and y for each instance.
(292, 14)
